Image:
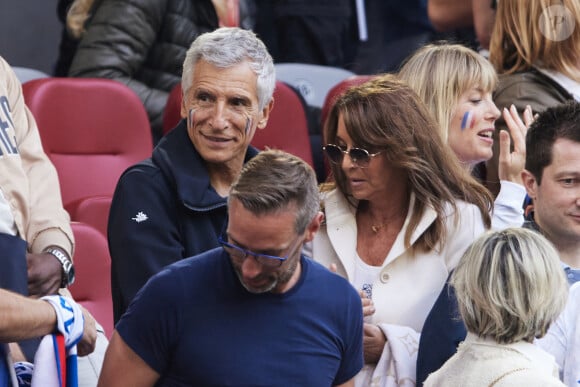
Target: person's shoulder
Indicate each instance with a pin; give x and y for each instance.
(192, 270)
(575, 290)
(207, 260)
(530, 87)
(529, 78)
(146, 167)
(530, 378)
(8, 79)
(143, 172)
(325, 277)
(3, 64)
(462, 208)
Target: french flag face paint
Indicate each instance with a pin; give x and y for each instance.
(190, 117)
(468, 120)
(248, 125)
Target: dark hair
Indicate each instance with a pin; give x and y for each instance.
(562, 121)
(274, 180)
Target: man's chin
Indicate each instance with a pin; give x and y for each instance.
(261, 289)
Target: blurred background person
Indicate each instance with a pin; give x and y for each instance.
(534, 47)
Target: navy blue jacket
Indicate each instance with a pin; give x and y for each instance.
(441, 334)
(164, 209)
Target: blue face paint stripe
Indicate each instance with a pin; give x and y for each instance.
(465, 119)
(248, 125)
(191, 112)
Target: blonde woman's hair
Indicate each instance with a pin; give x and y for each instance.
(76, 17)
(510, 285)
(517, 42)
(440, 73)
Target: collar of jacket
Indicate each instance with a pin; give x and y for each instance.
(183, 167)
(341, 229)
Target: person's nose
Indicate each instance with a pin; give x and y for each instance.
(493, 113)
(219, 118)
(347, 162)
(250, 267)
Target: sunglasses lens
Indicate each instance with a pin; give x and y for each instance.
(359, 156)
(334, 153)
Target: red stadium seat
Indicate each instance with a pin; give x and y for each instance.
(92, 286)
(337, 90)
(172, 112)
(91, 129)
(287, 128)
(94, 211)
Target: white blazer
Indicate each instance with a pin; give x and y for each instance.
(408, 285)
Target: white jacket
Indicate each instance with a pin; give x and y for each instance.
(563, 339)
(408, 285)
(482, 363)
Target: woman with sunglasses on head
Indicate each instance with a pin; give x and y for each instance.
(399, 213)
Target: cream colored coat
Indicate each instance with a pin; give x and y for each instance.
(408, 285)
(485, 363)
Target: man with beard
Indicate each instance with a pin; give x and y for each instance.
(254, 311)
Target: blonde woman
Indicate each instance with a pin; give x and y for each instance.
(456, 84)
(510, 287)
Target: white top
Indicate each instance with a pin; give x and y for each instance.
(563, 339)
(365, 276)
(508, 208)
(407, 285)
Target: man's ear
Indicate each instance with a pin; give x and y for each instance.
(313, 227)
(184, 111)
(530, 183)
(265, 114)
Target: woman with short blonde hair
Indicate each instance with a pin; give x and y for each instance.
(510, 287)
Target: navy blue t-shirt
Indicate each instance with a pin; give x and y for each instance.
(195, 324)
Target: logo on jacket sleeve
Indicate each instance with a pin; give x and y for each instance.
(140, 217)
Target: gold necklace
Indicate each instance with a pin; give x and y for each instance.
(377, 227)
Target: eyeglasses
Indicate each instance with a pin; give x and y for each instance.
(360, 157)
(240, 254)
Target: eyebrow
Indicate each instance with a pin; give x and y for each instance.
(566, 173)
(201, 89)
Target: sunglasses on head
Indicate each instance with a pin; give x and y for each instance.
(359, 157)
